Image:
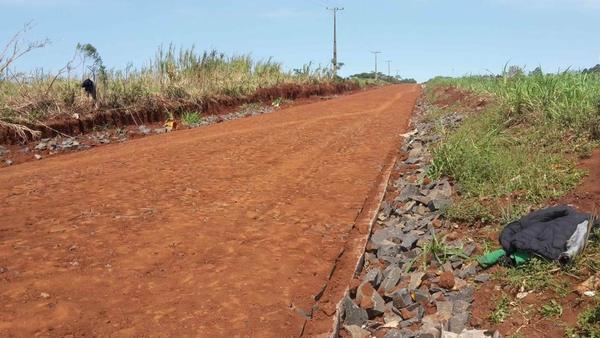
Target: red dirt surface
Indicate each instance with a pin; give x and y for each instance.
(586, 196)
(224, 231)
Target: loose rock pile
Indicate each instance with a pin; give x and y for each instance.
(414, 282)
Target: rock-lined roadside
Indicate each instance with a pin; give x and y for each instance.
(61, 144)
(415, 282)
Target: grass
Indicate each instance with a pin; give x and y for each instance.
(173, 78)
(438, 250)
(523, 148)
(191, 118)
(515, 155)
(502, 310)
(552, 309)
(588, 324)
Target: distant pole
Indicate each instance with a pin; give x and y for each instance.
(375, 53)
(334, 60)
(389, 62)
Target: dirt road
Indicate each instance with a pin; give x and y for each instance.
(223, 231)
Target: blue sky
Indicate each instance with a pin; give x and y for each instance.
(423, 38)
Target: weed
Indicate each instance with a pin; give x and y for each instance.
(532, 275)
(437, 249)
(191, 119)
(502, 310)
(551, 309)
(588, 324)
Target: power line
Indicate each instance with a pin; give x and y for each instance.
(334, 61)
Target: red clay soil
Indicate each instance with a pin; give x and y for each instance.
(586, 196)
(229, 230)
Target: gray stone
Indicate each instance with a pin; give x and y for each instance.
(388, 250)
(412, 160)
(3, 269)
(444, 308)
(469, 248)
(3, 151)
(405, 208)
(379, 305)
(466, 294)
(160, 130)
(357, 332)
(386, 209)
(416, 278)
(406, 192)
(421, 296)
(425, 200)
(389, 316)
(482, 278)
(460, 306)
(391, 279)
(439, 203)
(429, 331)
(8, 162)
(409, 241)
(401, 298)
(408, 322)
(468, 271)
(144, 130)
(41, 146)
(458, 322)
(37, 156)
(374, 276)
(395, 261)
(353, 314)
(404, 333)
(457, 264)
(379, 237)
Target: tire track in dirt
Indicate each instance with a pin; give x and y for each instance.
(216, 231)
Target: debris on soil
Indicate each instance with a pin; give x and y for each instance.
(61, 144)
(415, 282)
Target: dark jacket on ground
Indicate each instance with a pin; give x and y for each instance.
(544, 232)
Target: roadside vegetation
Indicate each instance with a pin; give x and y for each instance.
(515, 152)
(382, 79)
(174, 78)
(523, 148)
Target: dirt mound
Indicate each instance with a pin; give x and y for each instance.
(449, 96)
(156, 108)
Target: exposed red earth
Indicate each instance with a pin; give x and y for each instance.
(221, 231)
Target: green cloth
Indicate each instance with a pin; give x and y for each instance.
(493, 257)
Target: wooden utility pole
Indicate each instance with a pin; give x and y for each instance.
(375, 53)
(389, 62)
(334, 61)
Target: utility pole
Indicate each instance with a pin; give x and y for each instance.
(389, 62)
(334, 60)
(375, 53)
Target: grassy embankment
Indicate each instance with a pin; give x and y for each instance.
(173, 79)
(517, 154)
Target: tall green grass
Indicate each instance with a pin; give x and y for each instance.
(524, 147)
(172, 75)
